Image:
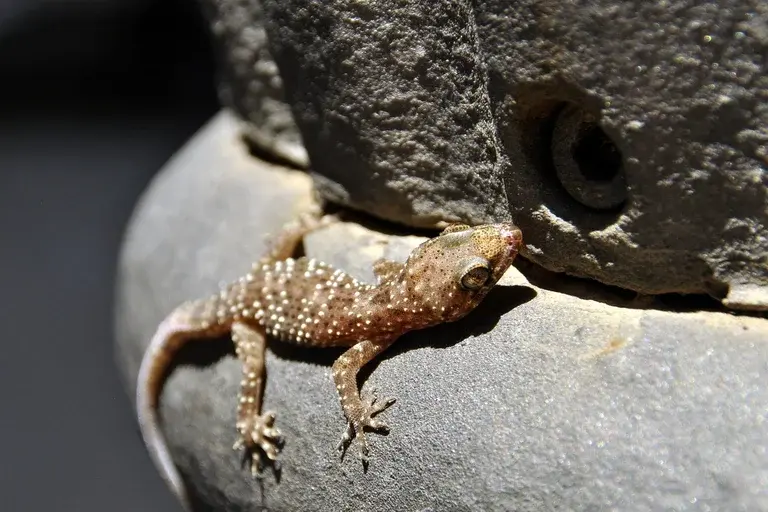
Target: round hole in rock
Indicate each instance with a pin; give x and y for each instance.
(597, 157)
(587, 163)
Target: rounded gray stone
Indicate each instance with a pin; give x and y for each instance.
(211, 195)
(537, 400)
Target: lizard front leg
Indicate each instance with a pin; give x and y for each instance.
(359, 415)
(255, 430)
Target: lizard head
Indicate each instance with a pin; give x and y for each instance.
(451, 273)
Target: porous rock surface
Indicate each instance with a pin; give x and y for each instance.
(629, 140)
(536, 401)
(249, 81)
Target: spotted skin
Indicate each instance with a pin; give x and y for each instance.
(307, 302)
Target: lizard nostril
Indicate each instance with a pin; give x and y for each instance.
(513, 236)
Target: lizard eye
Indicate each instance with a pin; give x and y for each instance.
(454, 228)
(475, 276)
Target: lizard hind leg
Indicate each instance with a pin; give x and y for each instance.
(256, 431)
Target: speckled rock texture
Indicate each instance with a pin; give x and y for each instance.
(536, 401)
(629, 140)
(249, 81)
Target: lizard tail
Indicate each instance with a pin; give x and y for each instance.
(170, 335)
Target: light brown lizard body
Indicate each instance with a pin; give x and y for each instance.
(308, 302)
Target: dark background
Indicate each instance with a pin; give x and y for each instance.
(96, 96)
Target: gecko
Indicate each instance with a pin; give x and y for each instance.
(308, 302)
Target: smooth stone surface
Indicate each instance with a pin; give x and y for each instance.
(642, 164)
(537, 400)
(211, 197)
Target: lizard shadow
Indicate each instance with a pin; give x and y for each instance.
(482, 320)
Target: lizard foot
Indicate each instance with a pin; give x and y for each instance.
(356, 427)
(259, 436)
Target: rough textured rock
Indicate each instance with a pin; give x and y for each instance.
(641, 164)
(538, 400)
(249, 81)
(677, 111)
(392, 102)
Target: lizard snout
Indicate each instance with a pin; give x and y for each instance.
(512, 235)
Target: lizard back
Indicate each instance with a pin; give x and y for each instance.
(303, 301)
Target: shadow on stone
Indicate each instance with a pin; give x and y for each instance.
(589, 289)
(288, 351)
(201, 352)
(482, 320)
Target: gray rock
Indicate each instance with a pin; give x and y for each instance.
(674, 110)
(211, 195)
(536, 401)
(249, 81)
(640, 164)
(393, 106)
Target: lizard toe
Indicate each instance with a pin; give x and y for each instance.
(260, 439)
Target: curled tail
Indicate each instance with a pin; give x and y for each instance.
(179, 327)
(199, 319)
